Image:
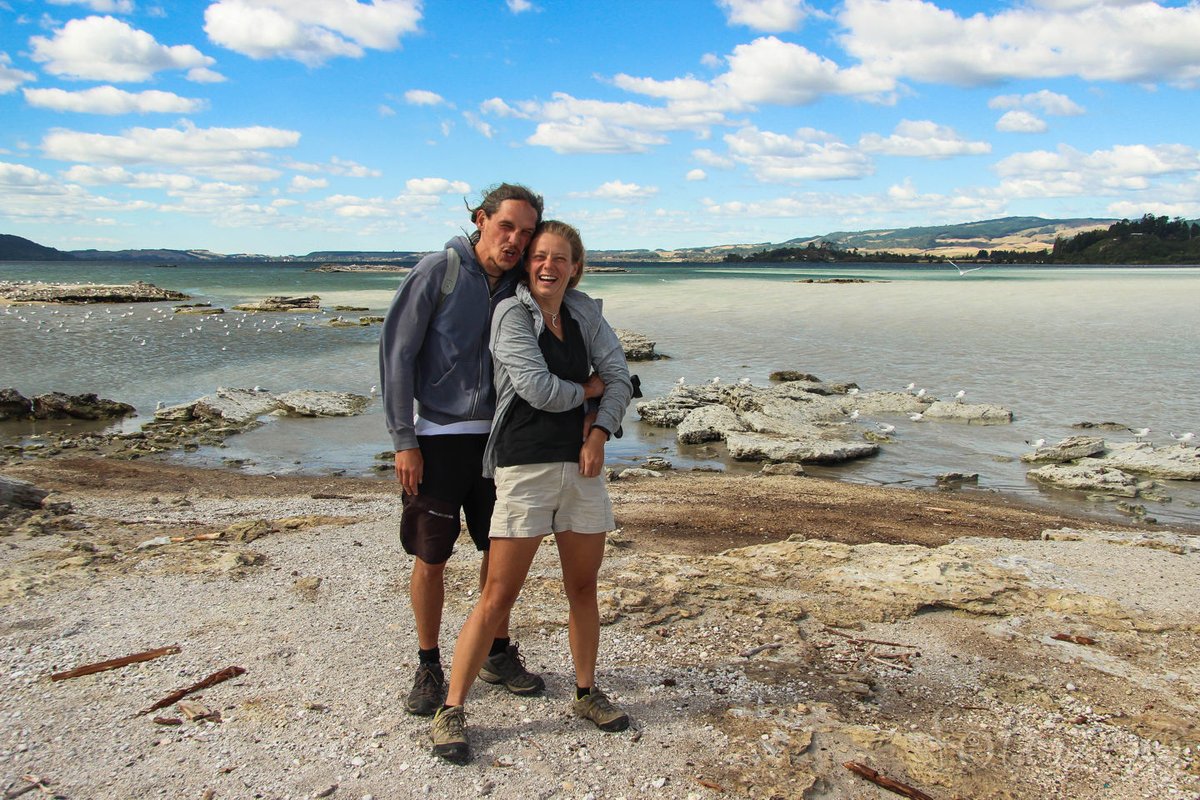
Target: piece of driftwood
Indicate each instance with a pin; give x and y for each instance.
(753, 651)
(116, 663)
(1073, 639)
(21, 494)
(844, 635)
(876, 778)
(211, 680)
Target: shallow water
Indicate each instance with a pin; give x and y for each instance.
(1055, 345)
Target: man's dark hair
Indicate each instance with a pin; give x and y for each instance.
(493, 196)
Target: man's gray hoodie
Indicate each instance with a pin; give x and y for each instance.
(433, 352)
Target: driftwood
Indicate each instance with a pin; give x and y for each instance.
(116, 663)
(874, 777)
(1073, 639)
(21, 494)
(211, 680)
(753, 651)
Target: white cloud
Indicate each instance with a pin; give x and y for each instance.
(107, 49)
(809, 155)
(620, 192)
(519, 6)
(119, 176)
(592, 136)
(20, 178)
(310, 31)
(773, 16)
(1045, 101)
(301, 183)
(111, 100)
(434, 186)
(571, 125)
(1021, 122)
(476, 123)
(922, 139)
(1070, 172)
(696, 175)
(711, 159)
(11, 78)
(766, 70)
(186, 145)
(385, 110)
(422, 97)
(336, 166)
(99, 6)
(1136, 42)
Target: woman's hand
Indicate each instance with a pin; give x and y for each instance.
(593, 387)
(591, 455)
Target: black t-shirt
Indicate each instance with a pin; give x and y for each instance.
(530, 436)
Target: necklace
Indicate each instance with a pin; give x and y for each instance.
(553, 316)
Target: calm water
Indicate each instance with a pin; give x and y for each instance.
(1057, 346)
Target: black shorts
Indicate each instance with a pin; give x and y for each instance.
(452, 482)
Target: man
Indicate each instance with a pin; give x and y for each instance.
(433, 354)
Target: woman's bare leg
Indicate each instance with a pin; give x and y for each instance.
(581, 554)
(508, 564)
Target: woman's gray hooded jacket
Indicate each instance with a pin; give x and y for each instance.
(520, 368)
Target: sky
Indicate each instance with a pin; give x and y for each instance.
(286, 126)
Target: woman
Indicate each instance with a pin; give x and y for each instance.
(546, 455)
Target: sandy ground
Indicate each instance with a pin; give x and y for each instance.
(761, 632)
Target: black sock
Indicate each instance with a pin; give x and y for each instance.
(499, 646)
(581, 692)
(430, 657)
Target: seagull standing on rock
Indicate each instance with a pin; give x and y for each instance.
(1139, 433)
(884, 428)
(916, 416)
(1183, 438)
(959, 395)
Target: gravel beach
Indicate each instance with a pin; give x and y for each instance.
(761, 631)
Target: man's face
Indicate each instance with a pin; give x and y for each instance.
(504, 235)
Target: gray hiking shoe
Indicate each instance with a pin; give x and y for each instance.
(599, 709)
(428, 691)
(508, 668)
(449, 735)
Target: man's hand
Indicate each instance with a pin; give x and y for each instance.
(410, 469)
(591, 455)
(593, 387)
(589, 419)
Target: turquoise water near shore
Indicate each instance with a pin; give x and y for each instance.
(1056, 345)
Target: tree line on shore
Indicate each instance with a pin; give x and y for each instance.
(1149, 240)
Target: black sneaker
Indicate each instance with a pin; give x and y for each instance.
(449, 735)
(428, 692)
(508, 668)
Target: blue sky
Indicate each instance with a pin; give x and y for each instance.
(286, 126)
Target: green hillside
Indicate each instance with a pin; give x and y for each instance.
(14, 248)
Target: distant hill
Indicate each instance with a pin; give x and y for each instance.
(1005, 233)
(14, 248)
(963, 240)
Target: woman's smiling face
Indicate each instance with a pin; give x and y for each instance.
(550, 268)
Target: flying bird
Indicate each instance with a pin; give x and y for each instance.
(962, 271)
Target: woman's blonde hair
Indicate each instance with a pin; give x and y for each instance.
(571, 234)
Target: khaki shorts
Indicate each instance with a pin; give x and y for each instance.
(537, 499)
